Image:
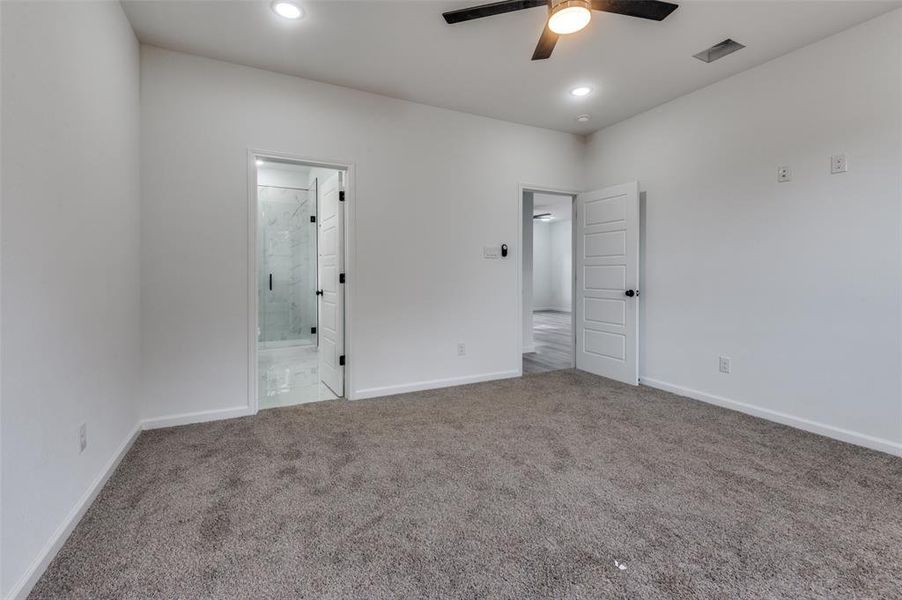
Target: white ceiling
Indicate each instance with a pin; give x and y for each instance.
(558, 205)
(404, 49)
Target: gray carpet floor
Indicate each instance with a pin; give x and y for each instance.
(558, 485)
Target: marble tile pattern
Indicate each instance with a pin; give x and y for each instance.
(287, 250)
(288, 376)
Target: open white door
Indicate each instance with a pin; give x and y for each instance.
(330, 217)
(607, 281)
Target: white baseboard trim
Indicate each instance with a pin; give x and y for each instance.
(431, 385)
(529, 348)
(23, 587)
(203, 416)
(837, 433)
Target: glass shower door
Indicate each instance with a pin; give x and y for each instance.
(286, 284)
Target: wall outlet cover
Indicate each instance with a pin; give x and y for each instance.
(784, 174)
(724, 365)
(838, 164)
(461, 349)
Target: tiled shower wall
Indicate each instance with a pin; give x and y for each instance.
(288, 251)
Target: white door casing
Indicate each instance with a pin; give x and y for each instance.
(330, 217)
(607, 270)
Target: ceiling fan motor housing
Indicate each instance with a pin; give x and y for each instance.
(556, 5)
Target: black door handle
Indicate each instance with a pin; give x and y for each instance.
(319, 292)
(270, 282)
(630, 293)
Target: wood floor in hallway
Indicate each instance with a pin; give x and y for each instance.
(553, 336)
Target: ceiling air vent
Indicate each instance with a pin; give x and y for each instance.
(718, 51)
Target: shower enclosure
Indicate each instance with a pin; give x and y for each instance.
(286, 284)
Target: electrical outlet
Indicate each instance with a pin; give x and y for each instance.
(82, 437)
(461, 349)
(724, 365)
(784, 174)
(838, 164)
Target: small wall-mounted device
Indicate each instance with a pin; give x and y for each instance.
(503, 250)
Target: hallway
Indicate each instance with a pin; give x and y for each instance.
(553, 334)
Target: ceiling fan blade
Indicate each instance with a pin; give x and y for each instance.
(546, 44)
(488, 10)
(644, 9)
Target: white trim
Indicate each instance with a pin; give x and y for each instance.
(527, 349)
(23, 587)
(843, 435)
(203, 416)
(252, 401)
(433, 384)
(349, 260)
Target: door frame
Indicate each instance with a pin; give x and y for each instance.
(350, 263)
(526, 187)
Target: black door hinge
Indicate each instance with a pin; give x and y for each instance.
(341, 360)
(341, 196)
(313, 330)
(341, 278)
(313, 218)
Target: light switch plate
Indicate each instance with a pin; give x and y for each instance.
(838, 164)
(491, 251)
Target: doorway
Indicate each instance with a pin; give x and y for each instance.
(548, 342)
(299, 267)
(595, 252)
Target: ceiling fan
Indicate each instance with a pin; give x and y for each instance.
(564, 16)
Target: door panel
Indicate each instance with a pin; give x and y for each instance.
(607, 265)
(331, 302)
(612, 312)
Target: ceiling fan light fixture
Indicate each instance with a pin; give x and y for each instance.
(569, 16)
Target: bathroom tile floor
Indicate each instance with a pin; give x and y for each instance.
(289, 376)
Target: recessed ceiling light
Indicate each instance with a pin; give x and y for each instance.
(581, 91)
(583, 118)
(569, 16)
(287, 9)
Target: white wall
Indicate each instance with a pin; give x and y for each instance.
(552, 258)
(70, 296)
(418, 283)
(284, 176)
(798, 283)
(562, 265)
(541, 265)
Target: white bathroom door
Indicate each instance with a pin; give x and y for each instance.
(607, 281)
(330, 220)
